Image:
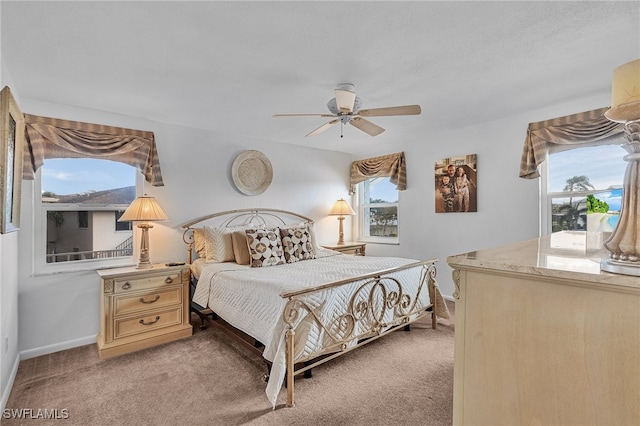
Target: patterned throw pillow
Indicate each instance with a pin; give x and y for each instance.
(297, 244)
(265, 246)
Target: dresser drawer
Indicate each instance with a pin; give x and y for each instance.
(144, 323)
(124, 285)
(125, 304)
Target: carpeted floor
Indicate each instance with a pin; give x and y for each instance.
(405, 378)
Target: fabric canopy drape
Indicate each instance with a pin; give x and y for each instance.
(56, 138)
(558, 134)
(392, 166)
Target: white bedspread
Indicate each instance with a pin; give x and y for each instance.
(249, 298)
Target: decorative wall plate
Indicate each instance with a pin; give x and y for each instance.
(251, 172)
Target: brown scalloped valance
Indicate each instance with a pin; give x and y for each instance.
(563, 133)
(392, 165)
(56, 138)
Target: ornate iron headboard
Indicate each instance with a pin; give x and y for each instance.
(240, 217)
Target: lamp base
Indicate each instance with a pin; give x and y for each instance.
(144, 262)
(144, 265)
(340, 231)
(620, 267)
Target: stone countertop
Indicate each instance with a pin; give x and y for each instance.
(565, 255)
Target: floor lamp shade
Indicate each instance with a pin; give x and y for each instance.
(143, 210)
(340, 209)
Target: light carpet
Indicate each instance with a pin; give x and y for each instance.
(404, 378)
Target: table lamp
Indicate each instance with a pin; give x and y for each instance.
(340, 209)
(624, 243)
(143, 210)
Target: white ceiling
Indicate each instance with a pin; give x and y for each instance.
(229, 66)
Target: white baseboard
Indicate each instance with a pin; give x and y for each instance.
(45, 350)
(12, 378)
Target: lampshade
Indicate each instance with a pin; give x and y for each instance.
(341, 208)
(143, 209)
(625, 93)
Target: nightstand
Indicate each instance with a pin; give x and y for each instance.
(349, 248)
(141, 308)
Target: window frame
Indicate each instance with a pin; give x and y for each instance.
(40, 265)
(546, 197)
(360, 216)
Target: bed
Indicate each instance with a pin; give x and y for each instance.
(262, 272)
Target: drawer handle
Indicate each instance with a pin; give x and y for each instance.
(126, 286)
(151, 322)
(168, 280)
(150, 301)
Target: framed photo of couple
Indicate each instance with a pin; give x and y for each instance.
(456, 180)
(11, 151)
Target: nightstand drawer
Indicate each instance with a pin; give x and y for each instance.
(144, 323)
(126, 304)
(126, 285)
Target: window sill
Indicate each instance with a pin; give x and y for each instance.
(80, 266)
(379, 241)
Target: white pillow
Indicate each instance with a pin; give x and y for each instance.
(218, 243)
(199, 243)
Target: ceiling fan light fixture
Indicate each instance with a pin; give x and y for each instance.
(332, 105)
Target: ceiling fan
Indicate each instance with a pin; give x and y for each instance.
(345, 108)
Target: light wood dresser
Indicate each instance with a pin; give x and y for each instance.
(141, 308)
(543, 337)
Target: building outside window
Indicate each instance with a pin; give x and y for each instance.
(80, 199)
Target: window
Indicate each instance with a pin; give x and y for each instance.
(122, 226)
(80, 199)
(584, 189)
(378, 210)
(83, 219)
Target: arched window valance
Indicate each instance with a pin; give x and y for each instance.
(56, 138)
(392, 165)
(559, 134)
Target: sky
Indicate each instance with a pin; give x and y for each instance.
(74, 176)
(603, 165)
(383, 190)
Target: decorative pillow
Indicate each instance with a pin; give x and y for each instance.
(311, 226)
(265, 246)
(297, 244)
(218, 244)
(199, 243)
(240, 248)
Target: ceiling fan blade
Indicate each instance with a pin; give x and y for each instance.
(366, 126)
(345, 100)
(324, 127)
(303, 115)
(398, 110)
